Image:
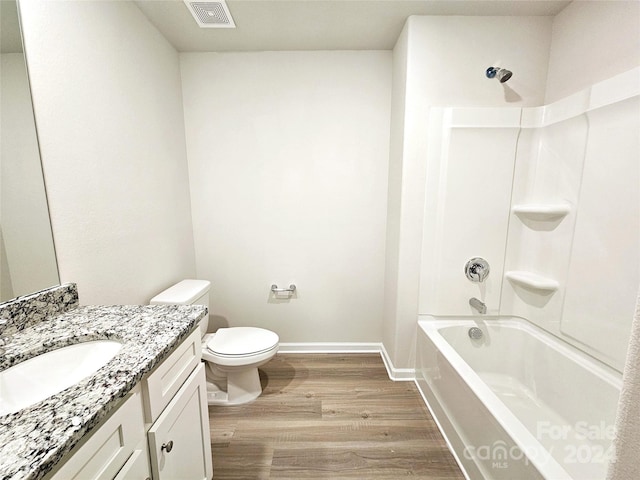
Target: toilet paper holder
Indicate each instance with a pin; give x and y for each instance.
(275, 289)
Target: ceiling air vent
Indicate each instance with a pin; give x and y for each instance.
(211, 14)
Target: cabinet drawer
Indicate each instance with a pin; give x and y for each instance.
(167, 378)
(107, 450)
(183, 427)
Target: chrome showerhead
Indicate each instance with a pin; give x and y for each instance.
(502, 74)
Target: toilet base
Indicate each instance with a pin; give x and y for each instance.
(242, 387)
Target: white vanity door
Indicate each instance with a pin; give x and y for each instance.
(179, 441)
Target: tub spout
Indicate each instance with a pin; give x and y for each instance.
(478, 305)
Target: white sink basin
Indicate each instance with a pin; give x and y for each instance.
(40, 377)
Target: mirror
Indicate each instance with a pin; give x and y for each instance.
(27, 254)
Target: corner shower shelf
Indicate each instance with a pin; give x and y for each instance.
(542, 211)
(532, 281)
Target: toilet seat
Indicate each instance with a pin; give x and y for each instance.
(237, 342)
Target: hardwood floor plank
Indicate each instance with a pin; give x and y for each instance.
(354, 432)
(362, 463)
(341, 388)
(221, 434)
(243, 462)
(289, 407)
(368, 409)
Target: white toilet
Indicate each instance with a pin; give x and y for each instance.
(232, 355)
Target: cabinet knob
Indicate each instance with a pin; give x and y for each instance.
(167, 446)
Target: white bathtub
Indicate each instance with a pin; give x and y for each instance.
(519, 403)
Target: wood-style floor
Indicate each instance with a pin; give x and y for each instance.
(329, 417)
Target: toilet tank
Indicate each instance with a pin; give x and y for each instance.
(186, 292)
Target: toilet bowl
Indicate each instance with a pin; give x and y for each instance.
(235, 354)
(231, 355)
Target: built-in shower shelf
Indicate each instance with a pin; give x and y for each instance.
(532, 281)
(542, 211)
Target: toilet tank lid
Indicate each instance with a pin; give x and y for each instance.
(182, 293)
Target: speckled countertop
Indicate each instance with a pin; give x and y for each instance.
(33, 440)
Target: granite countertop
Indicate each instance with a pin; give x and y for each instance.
(34, 439)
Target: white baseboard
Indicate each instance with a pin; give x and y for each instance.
(329, 347)
(395, 374)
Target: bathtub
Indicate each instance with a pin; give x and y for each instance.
(517, 403)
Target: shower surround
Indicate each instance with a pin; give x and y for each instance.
(522, 401)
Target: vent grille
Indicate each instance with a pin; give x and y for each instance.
(211, 14)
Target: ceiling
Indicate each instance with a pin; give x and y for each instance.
(265, 25)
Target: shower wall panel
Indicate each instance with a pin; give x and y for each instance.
(580, 153)
(604, 270)
(468, 195)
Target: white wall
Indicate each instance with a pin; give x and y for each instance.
(29, 262)
(592, 41)
(446, 61)
(288, 155)
(394, 293)
(451, 54)
(107, 96)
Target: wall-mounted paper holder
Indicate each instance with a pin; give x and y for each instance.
(276, 290)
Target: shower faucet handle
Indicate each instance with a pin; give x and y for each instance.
(476, 269)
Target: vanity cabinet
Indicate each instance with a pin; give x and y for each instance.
(159, 432)
(179, 442)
